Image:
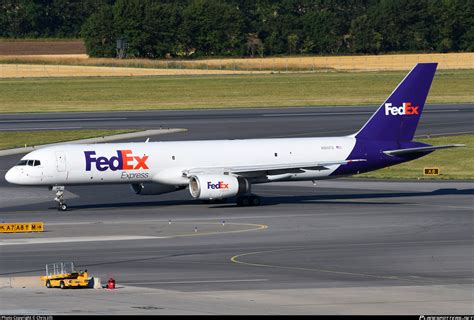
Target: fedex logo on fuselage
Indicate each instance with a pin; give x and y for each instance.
(219, 185)
(405, 109)
(125, 160)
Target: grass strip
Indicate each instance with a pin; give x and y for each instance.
(189, 92)
(18, 139)
(456, 163)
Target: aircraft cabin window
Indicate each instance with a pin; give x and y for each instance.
(22, 163)
(30, 162)
(37, 163)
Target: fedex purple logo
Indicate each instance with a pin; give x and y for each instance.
(125, 160)
(405, 109)
(219, 185)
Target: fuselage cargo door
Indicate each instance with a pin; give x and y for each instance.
(61, 161)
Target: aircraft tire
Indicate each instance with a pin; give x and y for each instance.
(247, 201)
(255, 200)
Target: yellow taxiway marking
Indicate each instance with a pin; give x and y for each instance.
(255, 228)
(234, 259)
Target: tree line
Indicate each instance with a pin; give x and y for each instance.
(195, 28)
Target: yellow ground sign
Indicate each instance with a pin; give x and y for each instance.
(431, 171)
(21, 227)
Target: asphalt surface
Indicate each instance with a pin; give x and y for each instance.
(244, 123)
(344, 246)
(377, 243)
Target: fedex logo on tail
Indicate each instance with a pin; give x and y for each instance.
(219, 185)
(405, 109)
(125, 160)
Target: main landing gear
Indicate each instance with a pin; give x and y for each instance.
(246, 201)
(62, 206)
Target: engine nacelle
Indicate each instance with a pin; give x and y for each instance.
(146, 189)
(217, 186)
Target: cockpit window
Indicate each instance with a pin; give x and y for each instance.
(31, 163)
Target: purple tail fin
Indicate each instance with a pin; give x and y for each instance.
(398, 116)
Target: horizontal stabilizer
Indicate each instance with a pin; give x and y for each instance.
(402, 152)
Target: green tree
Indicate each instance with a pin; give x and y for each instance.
(454, 21)
(99, 33)
(292, 43)
(128, 17)
(362, 34)
(162, 25)
(242, 27)
(322, 30)
(213, 27)
(45, 18)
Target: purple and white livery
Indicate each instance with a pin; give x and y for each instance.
(218, 169)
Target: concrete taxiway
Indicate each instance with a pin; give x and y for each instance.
(343, 247)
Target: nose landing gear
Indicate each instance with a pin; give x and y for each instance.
(62, 206)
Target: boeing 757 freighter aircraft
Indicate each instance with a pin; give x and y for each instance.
(218, 169)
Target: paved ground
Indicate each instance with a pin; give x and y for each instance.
(347, 247)
(244, 123)
(344, 247)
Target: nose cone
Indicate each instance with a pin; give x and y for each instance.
(12, 175)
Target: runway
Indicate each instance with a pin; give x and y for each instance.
(244, 123)
(345, 246)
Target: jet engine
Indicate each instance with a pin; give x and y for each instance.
(146, 189)
(217, 186)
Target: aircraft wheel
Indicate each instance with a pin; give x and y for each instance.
(255, 200)
(62, 207)
(245, 201)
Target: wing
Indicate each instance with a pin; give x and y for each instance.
(403, 152)
(261, 170)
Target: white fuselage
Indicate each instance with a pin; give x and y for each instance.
(165, 162)
(220, 169)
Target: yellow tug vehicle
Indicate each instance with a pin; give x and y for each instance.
(64, 275)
